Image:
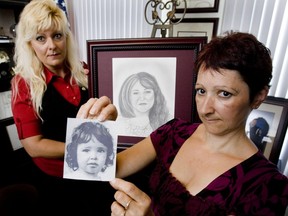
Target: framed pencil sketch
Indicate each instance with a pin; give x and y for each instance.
(196, 27)
(267, 126)
(150, 81)
(199, 6)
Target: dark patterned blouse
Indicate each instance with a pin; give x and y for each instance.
(254, 187)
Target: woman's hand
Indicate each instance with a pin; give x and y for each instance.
(129, 200)
(98, 108)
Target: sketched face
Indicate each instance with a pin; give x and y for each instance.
(142, 99)
(91, 156)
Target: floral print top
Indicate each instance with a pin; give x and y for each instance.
(253, 187)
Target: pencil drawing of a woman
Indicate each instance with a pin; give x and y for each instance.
(142, 105)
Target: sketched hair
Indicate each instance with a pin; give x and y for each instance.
(159, 112)
(83, 134)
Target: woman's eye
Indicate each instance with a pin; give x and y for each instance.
(40, 38)
(200, 91)
(58, 36)
(135, 93)
(225, 94)
(148, 91)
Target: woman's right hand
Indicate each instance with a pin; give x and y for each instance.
(129, 200)
(98, 108)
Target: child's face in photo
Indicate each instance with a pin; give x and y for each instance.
(91, 156)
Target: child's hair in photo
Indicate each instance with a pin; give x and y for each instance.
(83, 134)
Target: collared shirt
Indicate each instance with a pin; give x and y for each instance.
(26, 120)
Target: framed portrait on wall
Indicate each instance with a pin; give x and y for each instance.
(199, 6)
(267, 126)
(145, 78)
(196, 27)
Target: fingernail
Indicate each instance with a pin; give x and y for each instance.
(101, 118)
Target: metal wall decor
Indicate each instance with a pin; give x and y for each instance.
(155, 9)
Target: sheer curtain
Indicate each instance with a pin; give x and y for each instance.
(266, 19)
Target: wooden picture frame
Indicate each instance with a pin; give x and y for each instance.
(199, 6)
(274, 111)
(196, 27)
(9, 135)
(102, 53)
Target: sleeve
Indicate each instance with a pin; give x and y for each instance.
(168, 138)
(25, 118)
(160, 137)
(268, 198)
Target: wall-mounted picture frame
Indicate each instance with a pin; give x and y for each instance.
(5, 101)
(199, 6)
(196, 27)
(169, 60)
(267, 126)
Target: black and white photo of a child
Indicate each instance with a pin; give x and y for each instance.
(142, 103)
(90, 152)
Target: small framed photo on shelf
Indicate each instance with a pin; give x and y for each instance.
(267, 126)
(196, 27)
(199, 6)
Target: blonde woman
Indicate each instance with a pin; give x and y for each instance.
(50, 85)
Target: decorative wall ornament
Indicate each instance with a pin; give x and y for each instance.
(156, 9)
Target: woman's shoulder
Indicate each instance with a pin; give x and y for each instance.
(259, 167)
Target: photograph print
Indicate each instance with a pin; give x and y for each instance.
(90, 150)
(267, 126)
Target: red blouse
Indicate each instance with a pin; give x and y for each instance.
(26, 120)
(28, 124)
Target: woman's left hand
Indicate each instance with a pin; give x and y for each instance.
(129, 200)
(98, 108)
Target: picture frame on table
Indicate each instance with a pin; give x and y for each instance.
(271, 118)
(10, 144)
(9, 132)
(196, 27)
(199, 6)
(169, 60)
